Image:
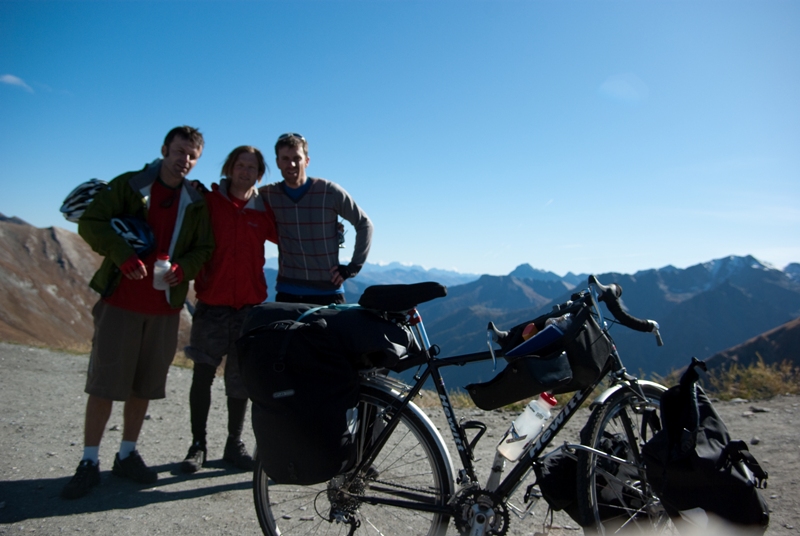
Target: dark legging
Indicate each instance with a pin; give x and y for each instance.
(200, 404)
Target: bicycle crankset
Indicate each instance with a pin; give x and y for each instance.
(481, 512)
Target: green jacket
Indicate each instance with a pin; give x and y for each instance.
(128, 195)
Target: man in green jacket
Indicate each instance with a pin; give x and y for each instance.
(136, 325)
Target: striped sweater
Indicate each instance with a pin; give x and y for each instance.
(308, 244)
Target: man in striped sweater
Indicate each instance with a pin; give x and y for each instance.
(307, 212)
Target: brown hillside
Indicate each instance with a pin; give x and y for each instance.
(45, 299)
(774, 346)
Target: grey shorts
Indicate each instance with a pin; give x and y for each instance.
(131, 353)
(215, 329)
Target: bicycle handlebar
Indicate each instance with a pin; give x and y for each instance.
(610, 294)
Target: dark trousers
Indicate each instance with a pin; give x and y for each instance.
(200, 404)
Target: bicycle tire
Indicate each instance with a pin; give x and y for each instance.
(414, 460)
(615, 498)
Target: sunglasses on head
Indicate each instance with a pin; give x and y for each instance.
(291, 135)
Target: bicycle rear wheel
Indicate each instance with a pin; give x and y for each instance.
(413, 465)
(614, 497)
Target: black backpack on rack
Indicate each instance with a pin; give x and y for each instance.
(693, 462)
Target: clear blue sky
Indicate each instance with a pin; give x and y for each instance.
(575, 136)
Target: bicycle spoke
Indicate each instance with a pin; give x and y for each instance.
(410, 469)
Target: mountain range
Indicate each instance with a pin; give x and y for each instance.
(702, 310)
(723, 306)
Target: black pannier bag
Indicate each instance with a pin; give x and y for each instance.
(302, 377)
(556, 476)
(693, 463)
(569, 364)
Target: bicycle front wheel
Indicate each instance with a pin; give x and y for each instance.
(412, 467)
(614, 496)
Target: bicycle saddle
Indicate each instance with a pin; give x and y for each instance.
(400, 298)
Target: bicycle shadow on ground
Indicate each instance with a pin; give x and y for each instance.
(21, 500)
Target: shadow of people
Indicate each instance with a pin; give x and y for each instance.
(39, 498)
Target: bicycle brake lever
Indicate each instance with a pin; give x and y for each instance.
(659, 340)
(496, 333)
(654, 325)
(489, 341)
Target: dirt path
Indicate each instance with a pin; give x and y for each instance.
(41, 429)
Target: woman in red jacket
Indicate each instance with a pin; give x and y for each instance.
(227, 287)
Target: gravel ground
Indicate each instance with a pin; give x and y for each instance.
(41, 430)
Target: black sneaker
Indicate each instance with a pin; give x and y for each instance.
(86, 477)
(236, 453)
(133, 467)
(195, 459)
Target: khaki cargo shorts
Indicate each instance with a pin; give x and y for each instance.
(131, 353)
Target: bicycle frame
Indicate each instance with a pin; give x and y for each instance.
(430, 368)
(404, 473)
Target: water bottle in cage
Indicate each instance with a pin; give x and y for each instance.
(526, 427)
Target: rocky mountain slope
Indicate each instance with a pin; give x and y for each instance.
(773, 346)
(43, 286)
(45, 299)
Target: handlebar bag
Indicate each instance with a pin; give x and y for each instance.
(305, 395)
(693, 462)
(587, 346)
(574, 362)
(588, 349)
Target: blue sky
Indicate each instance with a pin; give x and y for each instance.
(574, 136)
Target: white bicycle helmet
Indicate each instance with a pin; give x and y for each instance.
(79, 198)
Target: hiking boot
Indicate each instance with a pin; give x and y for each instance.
(195, 459)
(86, 477)
(133, 467)
(236, 453)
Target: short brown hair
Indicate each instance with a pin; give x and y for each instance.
(227, 167)
(190, 134)
(291, 139)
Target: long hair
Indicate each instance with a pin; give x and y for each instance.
(227, 167)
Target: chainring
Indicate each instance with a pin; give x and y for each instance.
(473, 501)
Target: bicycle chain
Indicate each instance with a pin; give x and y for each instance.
(399, 486)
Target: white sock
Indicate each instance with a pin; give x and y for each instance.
(125, 448)
(91, 453)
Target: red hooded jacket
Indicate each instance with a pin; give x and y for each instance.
(234, 276)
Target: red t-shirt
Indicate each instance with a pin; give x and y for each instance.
(139, 295)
